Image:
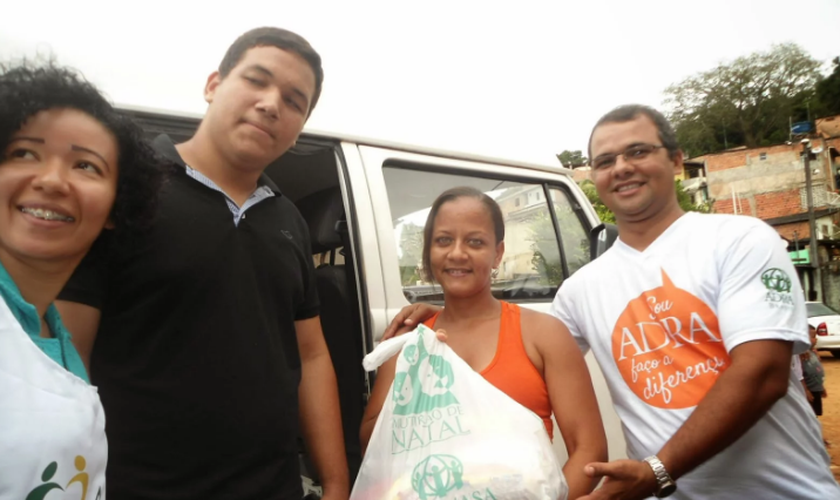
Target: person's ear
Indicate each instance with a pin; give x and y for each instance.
(500, 252)
(210, 87)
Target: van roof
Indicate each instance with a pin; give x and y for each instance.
(190, 120)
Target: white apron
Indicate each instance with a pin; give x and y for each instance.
(52, 426)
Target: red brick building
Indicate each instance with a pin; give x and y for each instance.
(769, 183)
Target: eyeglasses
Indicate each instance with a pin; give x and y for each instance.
(634, 153)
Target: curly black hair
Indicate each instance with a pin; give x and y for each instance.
(27, 89)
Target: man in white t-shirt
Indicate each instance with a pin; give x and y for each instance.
(693, 319)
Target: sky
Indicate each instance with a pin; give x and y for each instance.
(522, 80)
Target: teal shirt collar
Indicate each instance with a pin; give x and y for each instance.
(60, 348)
(24, 312)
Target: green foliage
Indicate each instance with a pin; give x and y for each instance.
(828, 92)
(592, 195)
(570, 159)
(748, 101)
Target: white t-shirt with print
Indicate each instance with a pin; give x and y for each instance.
(661, 324)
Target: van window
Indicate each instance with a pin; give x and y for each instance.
(532, 267)
(575, 236)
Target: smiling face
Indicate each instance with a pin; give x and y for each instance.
(258, 110)
(58, 182)
(640, 189)
(463, 250)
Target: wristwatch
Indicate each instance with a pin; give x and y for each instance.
(667, 486)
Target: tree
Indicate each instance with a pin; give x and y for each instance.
(828, 92)
(571, 159)
(746, 102)
(591, 193)
(606, 216)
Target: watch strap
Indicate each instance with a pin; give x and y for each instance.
(665, 484)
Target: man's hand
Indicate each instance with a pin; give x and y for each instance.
(824, 394)
(408, 319)
(809, 395)
(624, 480)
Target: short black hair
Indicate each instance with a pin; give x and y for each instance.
(27, 89)
(452, 195)
(629, 112)
(282, 39)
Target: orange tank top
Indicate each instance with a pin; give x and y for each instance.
(512, 371)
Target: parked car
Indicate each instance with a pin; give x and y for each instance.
(827, 322)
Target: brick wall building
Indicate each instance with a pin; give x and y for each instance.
(769, 183)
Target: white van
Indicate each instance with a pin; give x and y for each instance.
(366, 202)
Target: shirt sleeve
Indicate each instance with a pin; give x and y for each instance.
(88, 283)
(760, 297)
(562, 308)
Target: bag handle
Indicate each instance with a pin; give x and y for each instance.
(387, 349)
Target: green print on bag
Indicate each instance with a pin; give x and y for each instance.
(436, 476)
(425, 410)
(409, 394)
(40, 492)
(441, 477)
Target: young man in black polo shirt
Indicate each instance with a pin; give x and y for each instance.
(208, 349)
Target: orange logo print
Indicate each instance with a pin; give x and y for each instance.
(668, 347)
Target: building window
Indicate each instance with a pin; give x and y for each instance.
(516, 202)
(762, 156)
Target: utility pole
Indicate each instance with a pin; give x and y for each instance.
(813, 254)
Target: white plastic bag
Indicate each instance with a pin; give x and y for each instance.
(447, 434)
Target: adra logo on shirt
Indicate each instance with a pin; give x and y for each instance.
(668, 348)
(778, 286)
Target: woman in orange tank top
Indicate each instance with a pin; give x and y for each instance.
(528, 355)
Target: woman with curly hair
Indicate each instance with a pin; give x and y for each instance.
(71, 167)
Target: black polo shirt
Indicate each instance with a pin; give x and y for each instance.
(196, 357)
